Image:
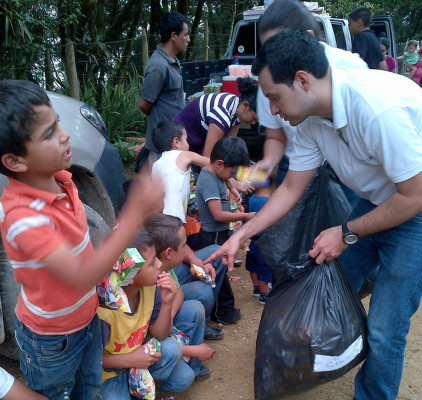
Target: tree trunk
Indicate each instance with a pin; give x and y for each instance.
(194, 29)
(206, 41)
(145, 54)
(183, 7)
(153, 23)
(49, 78)
(72, 76)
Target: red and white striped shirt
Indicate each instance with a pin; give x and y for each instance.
(33, 223)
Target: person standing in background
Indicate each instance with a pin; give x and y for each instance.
(162, 90)
(391, 62)
(365, 42)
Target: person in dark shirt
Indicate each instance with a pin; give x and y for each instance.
(365, 42)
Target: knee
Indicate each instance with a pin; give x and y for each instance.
(171, 351)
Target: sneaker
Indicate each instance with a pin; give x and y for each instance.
(237, 263)
(256, 292)
(212, 333)
(204, 373)
(262, 299)
(230, 318)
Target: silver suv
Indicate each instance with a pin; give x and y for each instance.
(97, 171)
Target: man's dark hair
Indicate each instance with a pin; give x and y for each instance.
(171, 22)
(248, 89)
(361, 13)
(164, 133)
(17, 116)
(287, 14)
(142, 241)
(164, 230)
(232, 150)
(288, 52)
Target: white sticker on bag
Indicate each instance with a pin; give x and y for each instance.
(331, 363)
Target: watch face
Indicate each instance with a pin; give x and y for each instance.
(350, 238)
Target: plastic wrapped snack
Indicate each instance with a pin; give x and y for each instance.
(111, 295)
(141, 384)
(152, 347)
(182, 339)
(110, 292)
(254, 177)
(202, 275)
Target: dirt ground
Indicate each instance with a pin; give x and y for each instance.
(232, 366)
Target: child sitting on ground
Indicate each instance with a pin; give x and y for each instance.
(188, 315)
(261, 275)
(124, 334)
(215, 211)
(170, 242)
(411, 57)
(46, 238)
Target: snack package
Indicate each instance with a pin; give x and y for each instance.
(110, 292)
(141, 384)
(182, 339)
(254, 177)
(202, 275)
(234, 226)
(111, 295)
(129, 263)
(152, 347)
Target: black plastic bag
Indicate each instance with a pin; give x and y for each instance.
(322, 206)
(312, 330)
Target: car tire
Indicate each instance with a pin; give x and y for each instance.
(92, 192)
(9, 289)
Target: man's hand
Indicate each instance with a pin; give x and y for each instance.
(264, 165)
(168, 287)
(328, 245)
(227, 252)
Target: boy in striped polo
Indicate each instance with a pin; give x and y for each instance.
(46, 239)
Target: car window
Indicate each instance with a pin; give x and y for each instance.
(322, 37)
(339, 35)
(245, 41)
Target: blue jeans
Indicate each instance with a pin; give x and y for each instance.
(395, 298)
(170, 373)
(190, 319)
(63, 366)
(194, 289)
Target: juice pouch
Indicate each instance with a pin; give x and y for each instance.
(129, 263)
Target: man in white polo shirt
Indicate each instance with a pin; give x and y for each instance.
(372, 140)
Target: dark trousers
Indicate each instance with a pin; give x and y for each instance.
(225, 299)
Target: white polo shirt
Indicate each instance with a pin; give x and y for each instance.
(337, 58)
(374, 140)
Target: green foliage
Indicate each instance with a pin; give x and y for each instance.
(126, 154)
(119, 105)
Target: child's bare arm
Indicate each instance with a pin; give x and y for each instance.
(226, 216)
(19, 391)
(145, 197)
(168, 290)
(202, 351)
(187, 158)
(400, 58)
(177, 303)
(136, 359)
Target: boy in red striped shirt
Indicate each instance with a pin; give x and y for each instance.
(46, 239)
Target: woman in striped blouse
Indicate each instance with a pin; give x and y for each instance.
(212, 116)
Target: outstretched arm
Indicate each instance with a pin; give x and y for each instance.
(277, 206)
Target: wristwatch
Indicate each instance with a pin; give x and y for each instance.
(349, 237)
